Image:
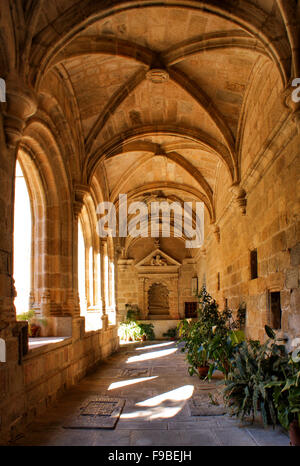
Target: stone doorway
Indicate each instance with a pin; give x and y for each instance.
(158, 301)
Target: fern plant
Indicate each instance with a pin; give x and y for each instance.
(286, 393)
(247, 391)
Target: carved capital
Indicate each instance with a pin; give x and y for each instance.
(77, 207)
(240, 197)
(80, 191)
(21, 105)
(216, 231)
(290, 97)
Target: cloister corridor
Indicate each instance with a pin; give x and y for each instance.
(149, 150)
(156, 410)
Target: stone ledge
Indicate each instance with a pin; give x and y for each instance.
(45, 348)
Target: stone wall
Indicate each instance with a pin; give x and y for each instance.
(45, 374)
(133, 287)
(271, 225)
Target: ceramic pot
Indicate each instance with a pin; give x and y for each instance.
(203, 371)
(294, 432)
(35, 330)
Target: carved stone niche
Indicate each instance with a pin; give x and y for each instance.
(158, 274)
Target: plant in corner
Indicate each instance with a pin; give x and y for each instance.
(132, 312)
(171, 333)
(286, 397)
(34, 323)
(254, 366)
(147, 330)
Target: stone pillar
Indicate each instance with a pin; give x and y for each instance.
(78, 321)
(103, 253)
(21, 104)
(141, 297)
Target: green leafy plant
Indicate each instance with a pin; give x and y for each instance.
(132, 330)
(33, 321)
(29, 315)
(132, 312)
(204, 338)
(147, 330)
(190, 334)
(129, 330)
(171, 333)
(286, 392)
(253, 368)
(220, 350)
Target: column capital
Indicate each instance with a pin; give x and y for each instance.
(290, 98)
(80, 191)
(240, 197)
(21, 104)
(216, 230)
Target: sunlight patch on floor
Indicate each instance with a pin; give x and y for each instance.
(125, 383)
(179, 394)
(157, 412)
(154, 355)
(155, 346)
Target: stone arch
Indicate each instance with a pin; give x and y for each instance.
(49, 189)
(38, 204)
(92, 263)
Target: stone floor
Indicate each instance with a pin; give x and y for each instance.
(152, 378)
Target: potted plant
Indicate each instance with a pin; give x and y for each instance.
(34, 323)
(201, 362)
(286, 397)
(130, 330)
(220, 351)
(248, 390)
(198, 335)
(171, 333)
(194, 345)
(132, 312)
(146, 331)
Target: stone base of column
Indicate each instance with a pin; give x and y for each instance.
(58, 327)
(104, 318)
(78, 328)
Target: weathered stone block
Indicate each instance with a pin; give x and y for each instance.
(295, 255)
(292, 278)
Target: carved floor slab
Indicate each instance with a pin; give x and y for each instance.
(136, 372)
(97, 412)
(201, 405)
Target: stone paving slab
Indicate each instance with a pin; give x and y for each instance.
(156, 410)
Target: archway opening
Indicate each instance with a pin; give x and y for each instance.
(81, 271)
(22, 242)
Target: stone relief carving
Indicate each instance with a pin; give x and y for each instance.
(157, 260)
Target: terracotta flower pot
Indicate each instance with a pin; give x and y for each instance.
(35, 330)
(294, 432)
(203, 371)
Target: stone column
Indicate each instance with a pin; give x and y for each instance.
(21, 104)
(103, 253)
(78, 321)
(141, 297)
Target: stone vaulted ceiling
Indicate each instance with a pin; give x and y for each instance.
(153, 94)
